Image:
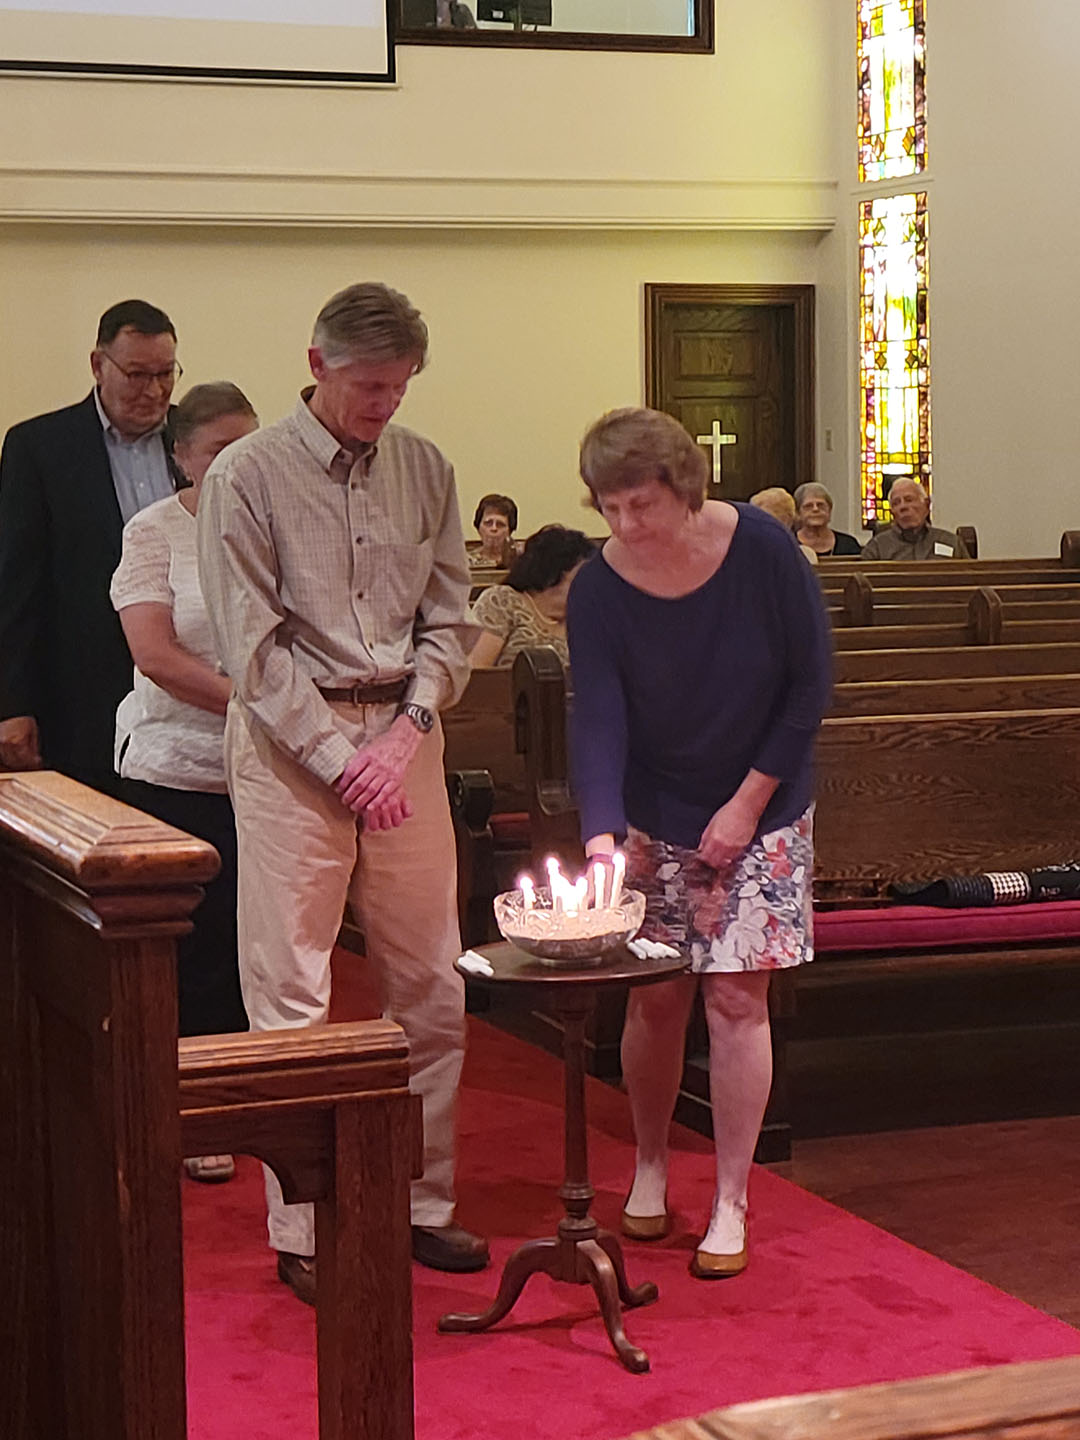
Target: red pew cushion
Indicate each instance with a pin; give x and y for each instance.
(925, 927)
(511, 827)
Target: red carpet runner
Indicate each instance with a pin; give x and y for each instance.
(828, 1300)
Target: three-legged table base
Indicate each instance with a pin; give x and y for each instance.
(593, 1258)
(581, 1253)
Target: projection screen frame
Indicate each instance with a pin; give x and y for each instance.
(214, 73)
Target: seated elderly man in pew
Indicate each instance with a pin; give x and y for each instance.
(911, 536)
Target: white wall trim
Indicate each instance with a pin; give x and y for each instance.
(325, 200)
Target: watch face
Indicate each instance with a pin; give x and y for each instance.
(421, 717)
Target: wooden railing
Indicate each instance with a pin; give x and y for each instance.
(92, 896)
(1039, 1400)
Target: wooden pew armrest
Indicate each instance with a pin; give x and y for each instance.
(472, 799)
(250, 1093)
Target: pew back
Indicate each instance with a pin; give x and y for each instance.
(901, 797)
(948, 696)
(960, 661)
(479, 732)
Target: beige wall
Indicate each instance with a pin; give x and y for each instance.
(522, 199)
(757, 109)
(532, 335)
(1005, 269)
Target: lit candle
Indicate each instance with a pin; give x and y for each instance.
(556, 883)
(528, 891)
(575, 900)
(598, 885)
(619, 862)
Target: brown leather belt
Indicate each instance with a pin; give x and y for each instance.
(388, 693)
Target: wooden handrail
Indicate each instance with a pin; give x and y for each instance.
(1035, 1400)
(92, 896)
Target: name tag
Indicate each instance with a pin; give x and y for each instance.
(940, 549)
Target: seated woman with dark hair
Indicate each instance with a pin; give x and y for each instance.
(495, 521)
(530, 609)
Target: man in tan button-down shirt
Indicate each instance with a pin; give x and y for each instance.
(333, 567)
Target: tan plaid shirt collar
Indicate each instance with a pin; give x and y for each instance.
(324, 448)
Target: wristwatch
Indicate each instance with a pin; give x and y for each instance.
(420, 716)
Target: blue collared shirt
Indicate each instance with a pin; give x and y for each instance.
(140, 468)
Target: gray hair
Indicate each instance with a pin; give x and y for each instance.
(370, 322)
(204, 403)
(812, 490)
(910, 480)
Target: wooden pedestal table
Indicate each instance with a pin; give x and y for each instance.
(581, 1253)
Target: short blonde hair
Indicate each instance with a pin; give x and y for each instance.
(629, 447)
(777, 502)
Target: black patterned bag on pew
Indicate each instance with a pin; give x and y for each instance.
(1000, 887)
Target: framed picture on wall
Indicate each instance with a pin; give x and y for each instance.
(293, 41)
(559, 24)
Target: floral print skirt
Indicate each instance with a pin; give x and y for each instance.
(753, 914)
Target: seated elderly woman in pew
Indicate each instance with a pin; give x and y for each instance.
(813, 509)
(530, 609)
(911, 536)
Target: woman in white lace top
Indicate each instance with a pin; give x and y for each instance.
(170, 728)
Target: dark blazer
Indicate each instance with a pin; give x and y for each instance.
(63, 656)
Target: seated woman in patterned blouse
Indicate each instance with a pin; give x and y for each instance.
(530, 609)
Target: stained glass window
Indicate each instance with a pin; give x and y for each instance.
(894, 341)
(892, 88)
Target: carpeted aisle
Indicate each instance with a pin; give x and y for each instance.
(828, 1300)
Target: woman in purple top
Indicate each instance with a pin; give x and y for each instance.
(701, 657)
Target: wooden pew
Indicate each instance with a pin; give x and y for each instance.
(1033, 1400)
(930, 1017)
(967, 661)
(947, 696)
(488, 790)
(902, 637)
(329, 1110)
(481, 579)
(866, 603)
(92, 896)
(936, 571)
(901, 796)
(479, 732)
(987, 624)
(833, 575)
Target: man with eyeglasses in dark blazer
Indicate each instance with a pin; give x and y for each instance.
(69, 481)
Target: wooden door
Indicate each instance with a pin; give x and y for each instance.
(737, 360)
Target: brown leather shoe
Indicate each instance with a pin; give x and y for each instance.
(707, 1266)
(449, 1247)
(298, 1272)
(645, 1227)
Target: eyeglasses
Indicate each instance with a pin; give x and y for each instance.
(143, 379)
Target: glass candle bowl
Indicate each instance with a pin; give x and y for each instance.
(561, 938)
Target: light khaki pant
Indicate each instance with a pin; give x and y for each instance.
(301, 854)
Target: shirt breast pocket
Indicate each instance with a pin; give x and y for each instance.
(405, 571)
